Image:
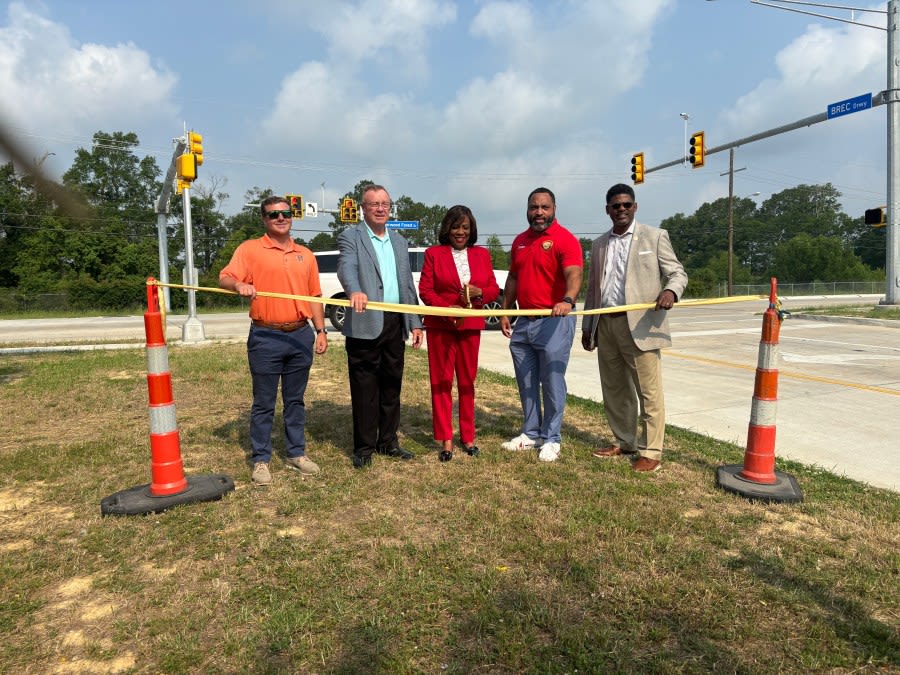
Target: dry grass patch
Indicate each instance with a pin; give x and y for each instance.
(500, 564)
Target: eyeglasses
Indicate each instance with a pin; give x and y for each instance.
(273, 215)
(620, 205)
(379, 205)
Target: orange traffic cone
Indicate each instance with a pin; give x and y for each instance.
(169, 486)
(757, 478)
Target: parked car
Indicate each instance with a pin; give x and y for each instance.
(331, 287)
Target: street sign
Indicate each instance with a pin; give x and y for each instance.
(312, 210)
(851, 105)
(403, 224)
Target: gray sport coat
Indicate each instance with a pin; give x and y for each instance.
(652, 267)
(359, 272)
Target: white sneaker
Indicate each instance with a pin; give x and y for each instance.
(549, 452)
(520, 442)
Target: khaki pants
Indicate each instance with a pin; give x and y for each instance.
(631, 382)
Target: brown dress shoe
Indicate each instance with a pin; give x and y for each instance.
(646, 464)
(611, 451)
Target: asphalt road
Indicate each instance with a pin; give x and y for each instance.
(838, 392)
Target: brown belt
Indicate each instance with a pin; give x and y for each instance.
(287, 327)
(614, 314)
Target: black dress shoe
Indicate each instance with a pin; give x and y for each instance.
(360, 461)
(445, 455)
(395, 452)
(472, 450)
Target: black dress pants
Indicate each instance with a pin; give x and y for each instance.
(376, 375)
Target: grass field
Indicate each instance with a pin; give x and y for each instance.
(500, 564)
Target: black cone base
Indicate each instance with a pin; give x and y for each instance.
(138, 500)
(784, 489)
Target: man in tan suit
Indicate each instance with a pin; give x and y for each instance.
(632, 264)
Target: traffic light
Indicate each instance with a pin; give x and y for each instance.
(186, 168)
(876, 217)
(296, 204)
(349, 212)
(637, 168)
(697, 150)
(195, 146)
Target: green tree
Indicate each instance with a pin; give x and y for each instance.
(323, 241)
(871, 246)
(499, 257)
(115, 247)
(208, 225)
(113, 179)
(429, 218)
(806, 258)
(15, 215)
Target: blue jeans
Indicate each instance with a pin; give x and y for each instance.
(540, 350)
(276, 356)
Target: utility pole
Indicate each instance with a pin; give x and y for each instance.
(731, 171)
(731, 222)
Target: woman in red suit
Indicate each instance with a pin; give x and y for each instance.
(455, 274)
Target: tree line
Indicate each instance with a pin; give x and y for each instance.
(101, 260)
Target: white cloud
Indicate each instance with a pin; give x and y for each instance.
(392, 34)
(823, 65)
(503, 115)
(52, 84)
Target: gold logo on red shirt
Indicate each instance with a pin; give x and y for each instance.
(547, 245)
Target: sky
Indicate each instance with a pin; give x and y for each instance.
(453, 102)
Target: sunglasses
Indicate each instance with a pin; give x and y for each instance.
(273, 215)
(620, 205)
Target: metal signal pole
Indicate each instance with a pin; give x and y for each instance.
(892, 260)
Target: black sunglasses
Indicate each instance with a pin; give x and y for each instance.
(274, 214)
(620, 205)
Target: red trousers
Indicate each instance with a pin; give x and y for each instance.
(453, 352)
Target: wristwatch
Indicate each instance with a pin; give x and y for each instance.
(321, 330)
(569, 300)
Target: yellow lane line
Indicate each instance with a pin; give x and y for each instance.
(785, 373)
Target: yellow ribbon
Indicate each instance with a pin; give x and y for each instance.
(460, 311)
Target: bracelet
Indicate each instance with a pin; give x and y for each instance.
(320, 331)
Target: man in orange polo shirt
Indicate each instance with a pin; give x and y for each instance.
(281, 341)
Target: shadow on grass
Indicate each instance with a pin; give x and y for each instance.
(869, 639)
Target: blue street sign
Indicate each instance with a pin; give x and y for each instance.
(851, 105)
(403, 224)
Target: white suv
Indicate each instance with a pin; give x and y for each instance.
(331, 287)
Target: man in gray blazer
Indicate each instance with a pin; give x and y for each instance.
(632, 264)
(374, 265)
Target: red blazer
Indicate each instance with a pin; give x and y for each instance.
(439, 285)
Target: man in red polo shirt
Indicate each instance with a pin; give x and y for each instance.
(544, 273)
(281, 342)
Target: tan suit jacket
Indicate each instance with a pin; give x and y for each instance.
(652, 267)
